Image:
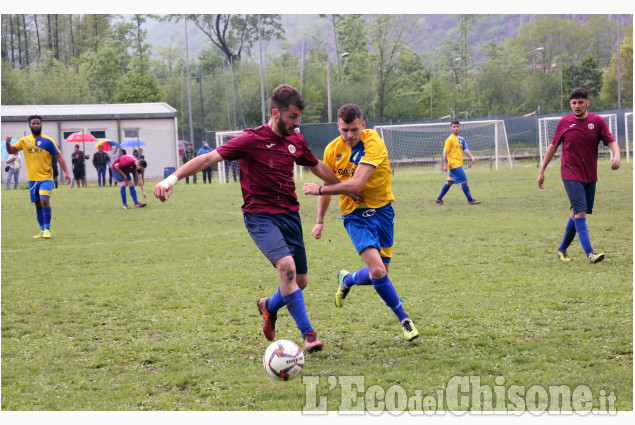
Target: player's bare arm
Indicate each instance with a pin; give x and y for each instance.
(323, 206)
(350, 187)
(616, 160)
(164, 188)
(11, 149)
(62, 162)
(549, 153)
(445, 161)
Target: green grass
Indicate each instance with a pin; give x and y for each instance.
(155, 309)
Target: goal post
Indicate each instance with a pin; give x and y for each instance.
(547, 129)
(224, 166)
(628, 127)
(421, 145)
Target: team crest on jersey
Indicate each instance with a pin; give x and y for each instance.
(338, 156)
(292, 148)
(591, 126)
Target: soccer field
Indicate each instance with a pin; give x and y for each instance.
(155, 308)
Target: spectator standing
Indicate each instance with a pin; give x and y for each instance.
(207, 172)
(100, 161)
(14, 163)
(189, 155)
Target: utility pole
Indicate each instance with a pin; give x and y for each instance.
(189, 88)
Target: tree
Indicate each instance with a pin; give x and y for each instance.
(608, 94)
(387, 36)
(584, 74)
(138, 86)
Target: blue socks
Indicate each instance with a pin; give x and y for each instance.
(40, 217)
(295, 305)
(583, 234)
(46, 217)
(360, 277)
(122, 191)
(275, 303)
(466, 190)
(445, 189)
(569, 234)
(387, 292)
(133, 194)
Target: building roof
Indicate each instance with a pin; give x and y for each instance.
(12, 113)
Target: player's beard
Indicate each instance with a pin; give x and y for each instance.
(283, 129)
(36, 133)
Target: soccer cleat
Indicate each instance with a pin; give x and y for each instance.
(312, 343)
(140, 205)
(595, 257)
(39, 235)
(409, 330)
(268, 319)
(126, 207)
(473, 202)
(46, 234)
(563, 256)
(440, 201)
(342, 290)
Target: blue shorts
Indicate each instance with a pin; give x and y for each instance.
(40, 189)
(581, 195)
(278, 236)
(372, 227)
(117, 177)
(457, 175)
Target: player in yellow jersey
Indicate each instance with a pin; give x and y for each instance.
(39, 151)
(453, 151)
(360, 160)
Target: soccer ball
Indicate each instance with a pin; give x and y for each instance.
(283, 360)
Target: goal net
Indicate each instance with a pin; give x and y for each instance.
(421, 145)
(547, 129)
(230, 169)
(628, 126)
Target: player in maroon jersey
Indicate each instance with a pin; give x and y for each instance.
(580, 134)
(266, 156)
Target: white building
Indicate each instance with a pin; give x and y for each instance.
(153, 123)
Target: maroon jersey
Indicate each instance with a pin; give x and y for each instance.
(266, 168)
(126, 164)
(580, 140)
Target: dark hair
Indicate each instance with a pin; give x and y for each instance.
(143, 163)
(579, 93)
(283, 96)
(35, 117)
(455, 122)
(349, 112)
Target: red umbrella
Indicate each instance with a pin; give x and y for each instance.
(80, 136)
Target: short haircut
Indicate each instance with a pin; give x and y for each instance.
(35, 117)
(579, 93)
(349, 112)
(455, 122)
(143, 163)
(283, 96)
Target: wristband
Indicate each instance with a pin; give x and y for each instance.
(170, 180)
(320, 222)
(320, 191)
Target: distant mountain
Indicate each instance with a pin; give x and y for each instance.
(429, 32)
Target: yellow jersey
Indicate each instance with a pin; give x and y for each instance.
(38, 154)
(343, 161)
(455, 146)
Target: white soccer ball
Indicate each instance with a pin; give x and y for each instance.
(283, 360)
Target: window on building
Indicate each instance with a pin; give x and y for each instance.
(127, 134)
(67, 133)
(98, 134)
